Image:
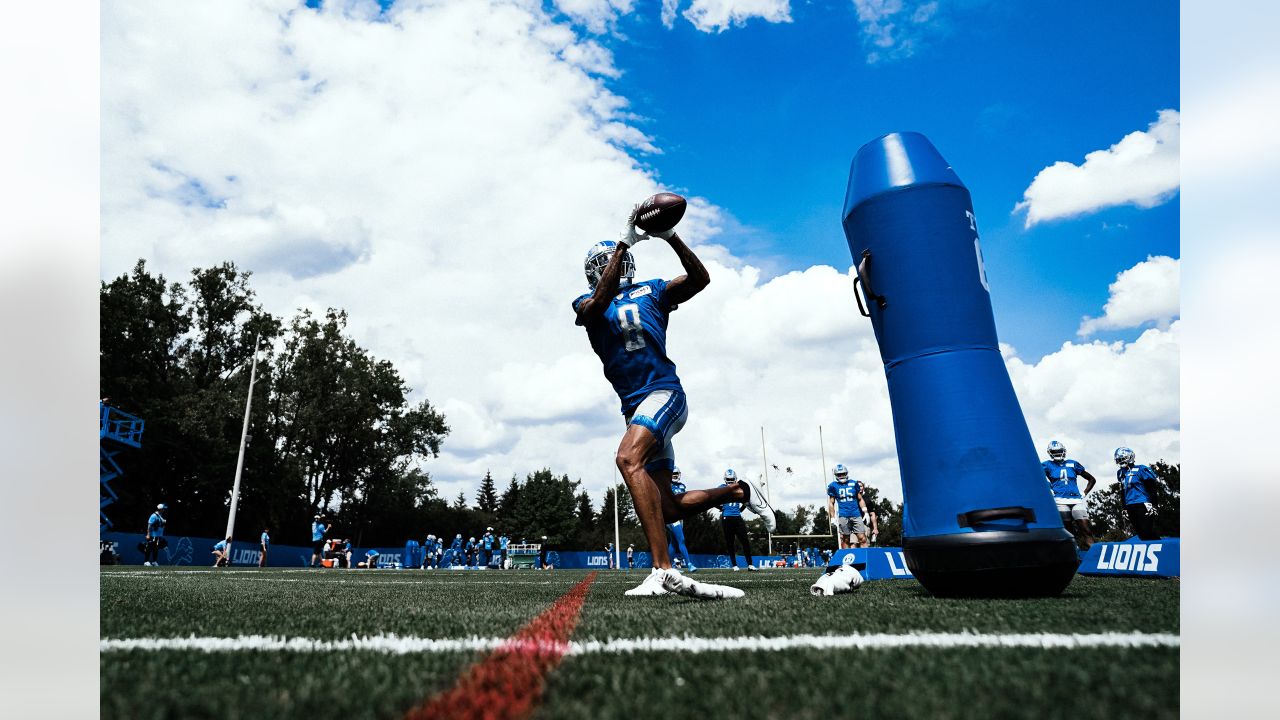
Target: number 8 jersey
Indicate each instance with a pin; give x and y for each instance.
(631, 339)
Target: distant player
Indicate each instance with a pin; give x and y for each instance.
(626, 323)
(1062, 474)
(222, 553)
(487, 543)
(675, 530)
(503, 542)
(155, 533)
(265, 542)
(456, 550)
(631, 557)
(1138, 485)
(472, 548)
(846, 508)
(734, 527)
(318, 530)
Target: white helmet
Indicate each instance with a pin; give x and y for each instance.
(841, 472)
(598, 257)
(1057, 451)
(675, 473)
(1124, 456)
(730, 475)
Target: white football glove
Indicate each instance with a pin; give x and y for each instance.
(665, 234)
(630, 236)
(1150, 508)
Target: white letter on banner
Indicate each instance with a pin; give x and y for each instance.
(1139, 560)
(1120, 560)
(1153, 562)
(1102, 558)
(893, 568)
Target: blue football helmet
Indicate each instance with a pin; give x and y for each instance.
(162, 507)
(598, 257)
(730, 476)
(1057, 451)
(841, 472)
(1124, 456)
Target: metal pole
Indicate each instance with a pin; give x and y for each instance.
(822, 446)
(617, 535)
(768, 492)
(244, 435)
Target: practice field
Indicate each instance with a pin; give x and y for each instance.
(389, 644)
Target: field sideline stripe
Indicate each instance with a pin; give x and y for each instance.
(398, 645)
(507, 683)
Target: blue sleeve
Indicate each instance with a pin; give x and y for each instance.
(1080, 469)
(660, 293)
(831, 487)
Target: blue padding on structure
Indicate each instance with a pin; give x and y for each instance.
(1134, 558)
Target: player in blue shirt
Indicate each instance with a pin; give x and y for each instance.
(675, 530)
(265, 541)
(473, 548)
(734, 527)
(456, 550)
(318, 530)
(1063, 476)
(503, 542)
(154, 536)
(222, 553)
(846, 507)
(1138, 486)
(487, 543)
(626, 322)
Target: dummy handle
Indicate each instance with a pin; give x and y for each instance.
(864, 278)
(974, 517)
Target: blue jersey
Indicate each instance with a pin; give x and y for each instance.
(1062, 478)
(730, 509)
(503, 542)
(266, 539)
(678, 488)
(1138, 484)
(488, 542)
(846, 495)
(220, 545)
(630, 337)
(457, 544)
(317, 532)
(155, 525)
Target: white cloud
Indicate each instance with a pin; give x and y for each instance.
(894, 29)
(1097, 396)
(1146, 292)
(1142, 170)
(720, 15)
(596, 15)
(440, 176)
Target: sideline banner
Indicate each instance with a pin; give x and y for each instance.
(877, 563)
(198, 552)
(1134, 558)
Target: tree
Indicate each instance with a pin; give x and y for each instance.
(546, 505)
(1106, 506)
(507, 504)
(586, 521)
(460, 502)
(487, 498)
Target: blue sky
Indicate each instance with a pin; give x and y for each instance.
(764, 119)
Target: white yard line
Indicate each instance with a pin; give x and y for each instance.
(398, 645)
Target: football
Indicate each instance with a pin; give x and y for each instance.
(660, 212)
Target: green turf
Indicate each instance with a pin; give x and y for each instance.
(886, 683)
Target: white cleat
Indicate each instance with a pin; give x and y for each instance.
(757, 504)
(676, 583)
(735, 568)
(752, 568)
(652, 585)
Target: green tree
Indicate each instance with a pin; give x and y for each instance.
(546, 505)
(487, 498)
(1106, 506)
(460, 502)
(507, 503)
(586, 521)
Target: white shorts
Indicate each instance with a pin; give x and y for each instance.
(851, 525)
(1077, 510)
(664, 413)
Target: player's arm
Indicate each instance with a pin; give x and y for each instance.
(1092, 480)
(696, 277)
(605, 289)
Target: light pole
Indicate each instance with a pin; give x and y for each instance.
(244, 436)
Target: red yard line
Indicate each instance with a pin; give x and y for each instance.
(508, 683)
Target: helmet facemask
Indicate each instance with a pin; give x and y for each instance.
(598, 258)
(1057, 451)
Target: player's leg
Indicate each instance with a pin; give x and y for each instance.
(684, 549)
(740, 528)
(1080, 514)
(728, 541)
(637, 445)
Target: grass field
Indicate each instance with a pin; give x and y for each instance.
(443, 622)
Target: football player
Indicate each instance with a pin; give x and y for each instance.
(734, 527)
(155, 533)
(675, 530)
(1063, 475)
(1138, 484)
(846, 507)
(626, 322)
